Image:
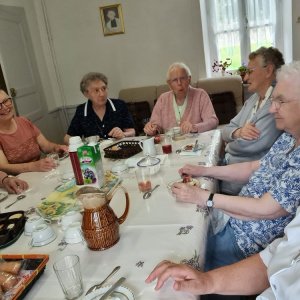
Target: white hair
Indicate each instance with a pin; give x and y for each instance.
(178, 65)
(289, 71)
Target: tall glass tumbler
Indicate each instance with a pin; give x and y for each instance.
(67, 270)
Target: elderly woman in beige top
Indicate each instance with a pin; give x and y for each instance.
(183, 106)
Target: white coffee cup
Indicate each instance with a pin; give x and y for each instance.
(69, 218)
(42, 235)
(32, 223)
(73, 233)
(148, 147)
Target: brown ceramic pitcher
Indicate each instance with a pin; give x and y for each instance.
(100, 225)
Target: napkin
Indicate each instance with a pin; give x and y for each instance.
(190, 153)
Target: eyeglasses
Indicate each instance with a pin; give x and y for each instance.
(278, 101)
(180, 79)
(98, 90)
(250, 70)
(6, 102)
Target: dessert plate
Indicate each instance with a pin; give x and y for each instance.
(193, 182)
(3, 195)
(120, 293)
(190, 147)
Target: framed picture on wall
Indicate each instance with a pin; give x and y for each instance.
(112, 19)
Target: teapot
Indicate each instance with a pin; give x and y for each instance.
(100, 225)
(148, 146)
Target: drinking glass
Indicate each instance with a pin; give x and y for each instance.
(55, 157)
(68, 273)
(143, 178)
(167, 144)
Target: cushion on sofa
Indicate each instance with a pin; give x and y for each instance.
(224, 105)
(141, 114)
(147, 93)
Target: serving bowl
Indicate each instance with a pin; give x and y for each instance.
(152, 162)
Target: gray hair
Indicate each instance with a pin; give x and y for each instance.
(90, 77)
(289, 71)
(178, 65)
(269, 55)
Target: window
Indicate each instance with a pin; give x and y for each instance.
(234, 28)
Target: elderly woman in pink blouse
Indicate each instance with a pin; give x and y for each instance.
(183, 106)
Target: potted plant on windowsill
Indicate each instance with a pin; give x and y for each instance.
(242, 71)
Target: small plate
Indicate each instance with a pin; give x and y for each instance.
(3, 195)
(194, 182)
(120, 293)
(190, 147)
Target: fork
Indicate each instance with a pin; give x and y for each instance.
(97, 286)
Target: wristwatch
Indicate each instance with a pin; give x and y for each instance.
(210, 202)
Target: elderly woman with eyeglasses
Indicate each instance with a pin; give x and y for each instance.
(21, 142)
(183, 106)
(252, 132)
(100, 115)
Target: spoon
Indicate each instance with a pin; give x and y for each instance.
(20, 197)
(97, 286)
(148, 194)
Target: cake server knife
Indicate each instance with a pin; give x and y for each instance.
(112, 288)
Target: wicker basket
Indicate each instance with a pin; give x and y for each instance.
(123, 149)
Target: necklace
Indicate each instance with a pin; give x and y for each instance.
(179, 110)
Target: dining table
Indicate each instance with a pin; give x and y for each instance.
(158, 228)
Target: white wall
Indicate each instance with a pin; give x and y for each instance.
(157, 33)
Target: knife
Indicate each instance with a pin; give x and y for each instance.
(195, 146)
(112, 288)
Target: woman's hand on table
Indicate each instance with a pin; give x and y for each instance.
(151, 128)
(116, 133)
(14, 185)
(186, 127)
(188, 193)
(185, 278)
(43, 165)
(193, 170)
(61, 148)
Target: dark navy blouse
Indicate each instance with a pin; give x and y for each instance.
(89, 125)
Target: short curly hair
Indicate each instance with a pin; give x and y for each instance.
(269, 55)
(89, 77)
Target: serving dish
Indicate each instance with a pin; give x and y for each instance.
(33, 267)
(59, 202)
(53, 210)
(120, 293)
(122, 149)
(11, 227)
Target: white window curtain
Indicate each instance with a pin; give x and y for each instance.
(234, 28)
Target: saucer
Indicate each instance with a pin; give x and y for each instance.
(120, 293)
(46, 242)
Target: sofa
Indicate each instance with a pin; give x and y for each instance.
(225, 92)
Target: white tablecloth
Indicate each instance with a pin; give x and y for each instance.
(157, 228)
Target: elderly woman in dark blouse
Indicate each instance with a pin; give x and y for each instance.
(100, 115)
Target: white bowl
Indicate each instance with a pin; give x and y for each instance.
(32, 223)
(42, 235)
(73, 234)
(152, 162)
(68, 218)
